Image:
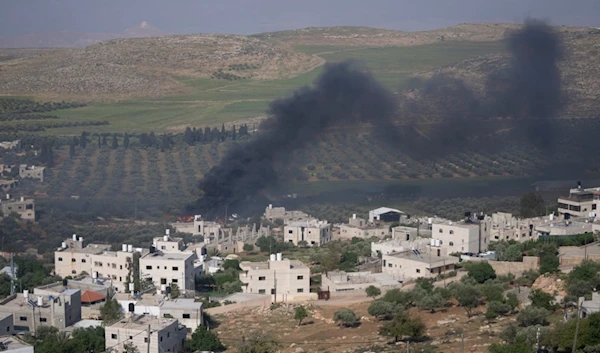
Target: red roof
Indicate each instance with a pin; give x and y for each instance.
(90, 297)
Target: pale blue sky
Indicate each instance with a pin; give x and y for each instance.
(253, 16)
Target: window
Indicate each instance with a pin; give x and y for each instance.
(175, 281)
(7, 328)
(60, 259)
(148, 267)
(23, 318)
(163, 281)
(74, 272)
(593, 206)
(120, 267)
(300, 290)
(441, 231)
(261, 291)
(175, 268)
(418, 270)
(130, 337)
(73, 260)
(145, 339)
(290, 231)
(452, 243)
(438, 252)
(186, 316)
(300, 277)
(163, 247)
(389, 265)
(83, 260)
(113, 336)
(161, 338)
(114, 265)
(451, 232)
(261, 278)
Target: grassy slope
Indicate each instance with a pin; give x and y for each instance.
(214, 102)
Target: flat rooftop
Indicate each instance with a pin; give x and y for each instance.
(89, 249)
(309, 223)
(426, 258)
(141, 322)
(11, 343)
(159, 300)
(168, 256)
(264, 265)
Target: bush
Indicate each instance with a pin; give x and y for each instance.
(346, 318)
(383, 310)
(533, 316)
(403, 325)
(481, 271)
(372, 291)
(541, 299)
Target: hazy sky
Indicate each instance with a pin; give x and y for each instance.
(253, 16)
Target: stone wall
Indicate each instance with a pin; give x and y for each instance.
(516, 268)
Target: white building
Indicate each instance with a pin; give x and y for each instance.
(166, 243)
(360, 228)
(284, 279)
(148, 334)
(472, 236)
(386, 214)
(25, 208)
(273, 213)
(409, 265)
(313, 232)
(74, 257)
(166, 269)
(386, 247)
(580, 202)
(211, 231)
(189, 312)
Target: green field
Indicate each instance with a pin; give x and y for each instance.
(212, 102)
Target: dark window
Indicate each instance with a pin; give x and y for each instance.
(593, 206)
(83, 260)
(130, 337)
(418, 270)
(261, 291)
(113, 336)
(300, 290)
(186, 316)
(175, 268)
(163, 281)
(7, 328)
(73, 260)
(145, 339)
(148, 267)
(43, 319)
(60, 259)
(23, 318)
(261, 278)
(300, 277)
(441, 230)
(290, 231)
(161, 338)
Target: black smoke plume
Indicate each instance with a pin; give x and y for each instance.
(343, 94)
(443, 118)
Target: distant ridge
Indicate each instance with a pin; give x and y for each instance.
(66, 39)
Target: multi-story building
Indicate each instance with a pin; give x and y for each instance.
(7, 185)
(469, 236)
(73, 257)
(360, 228)
(32, 172)
(146, 333)
(312, 233)
(164, 269)
(411, 264)
(283, 279)
(211, 231)
(580, 202)
(189, 312)
(386, 215)
(60, 308)
(386, 247)
(25, 208)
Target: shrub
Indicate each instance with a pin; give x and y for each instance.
(533, 316)
(346, 318)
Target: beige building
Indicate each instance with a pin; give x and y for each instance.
(273, 213)
(74, 257)
(147, 333)
(31, 172)
(211, 231)
(166, 243)
(165, 269)
(189, 312)
(360, 228)
(9, 145)
(507, 227)
(286, 280)
(60, 308)
(7, 185)
(580, 202)
(116, 266)
(471, 236)
(25, 208)
(409, 265)
(386, 247)
(313, 232)
(340, 281)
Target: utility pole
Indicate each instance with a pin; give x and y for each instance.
(580, 302)
(462, 342)
(537, 338)
(407, 346)
(148, 337)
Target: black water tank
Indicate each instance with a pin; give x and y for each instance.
(65, 282)
(152, 249)
(168, 289)
(131, 307)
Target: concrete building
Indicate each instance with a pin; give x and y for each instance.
(386, 247)
(7, 186)
(32, 172)
(410, 233)
(284, 279)
(6, 324)
(12, 344)
(166, 335)
(340, 281)
(43, 308)
(360, 228)
(166, 243)
(313, 232)
(116, 266)
(386, 215)
(507, 227)
(580, 202)
(469, 236)
(25, 208)
(273, 213)
(563, 227)
(9, 145)
(189, 312)
(409, 265)
(165, 269)
(74, 257)
(211, 231)
(589, 307)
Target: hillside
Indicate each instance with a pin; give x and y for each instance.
(125, 68)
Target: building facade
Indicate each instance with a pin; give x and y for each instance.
(166, 269)
(360, 228)
(74, 257)
(313, 233)
(409, 265)
(471, 236)
(283, 279)
(146, 333)
(31, 172)
(25, 208)
(580, 202)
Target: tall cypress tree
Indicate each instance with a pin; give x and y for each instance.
(126, 141)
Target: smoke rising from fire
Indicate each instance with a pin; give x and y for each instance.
(529, 87)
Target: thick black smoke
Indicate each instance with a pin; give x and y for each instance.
(443, 117)
(343, 94)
